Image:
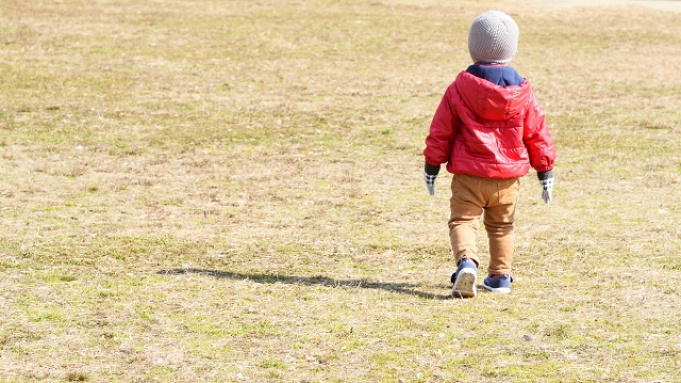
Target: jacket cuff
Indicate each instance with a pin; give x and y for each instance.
(432, 170)
(545, 175)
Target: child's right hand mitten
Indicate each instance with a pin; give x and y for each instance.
(546, 180)
(429, 175)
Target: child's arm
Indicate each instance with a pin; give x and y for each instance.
(443, 129)
(539, 145)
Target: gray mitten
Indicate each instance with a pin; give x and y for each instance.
(546, 179)
(429, 175)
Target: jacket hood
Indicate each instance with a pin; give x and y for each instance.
(490, 101)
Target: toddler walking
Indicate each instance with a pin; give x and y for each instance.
(489, 129)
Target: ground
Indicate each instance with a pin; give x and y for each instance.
(668, 5)
(218, 191)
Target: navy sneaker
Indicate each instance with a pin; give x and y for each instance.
(465, 278)
(498, 283)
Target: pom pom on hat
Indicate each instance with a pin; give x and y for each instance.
(493, 38)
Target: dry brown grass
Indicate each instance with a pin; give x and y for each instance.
(231, 191)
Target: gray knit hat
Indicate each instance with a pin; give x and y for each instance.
(493, 38)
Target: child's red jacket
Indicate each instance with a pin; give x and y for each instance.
(487, 130)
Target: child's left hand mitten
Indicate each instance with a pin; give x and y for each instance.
(546, 179)
(429, 175)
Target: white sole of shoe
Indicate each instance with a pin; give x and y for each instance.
(499, 290)
(464, 286)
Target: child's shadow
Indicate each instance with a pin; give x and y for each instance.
(401, 288)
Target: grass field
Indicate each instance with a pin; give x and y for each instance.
(218, 191)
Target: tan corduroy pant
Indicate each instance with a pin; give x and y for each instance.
(471, 196)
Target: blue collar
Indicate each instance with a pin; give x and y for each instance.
(502, 75)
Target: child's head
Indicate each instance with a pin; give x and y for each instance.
(493, 38)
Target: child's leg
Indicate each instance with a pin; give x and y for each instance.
(498, 221)
(464, 219)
